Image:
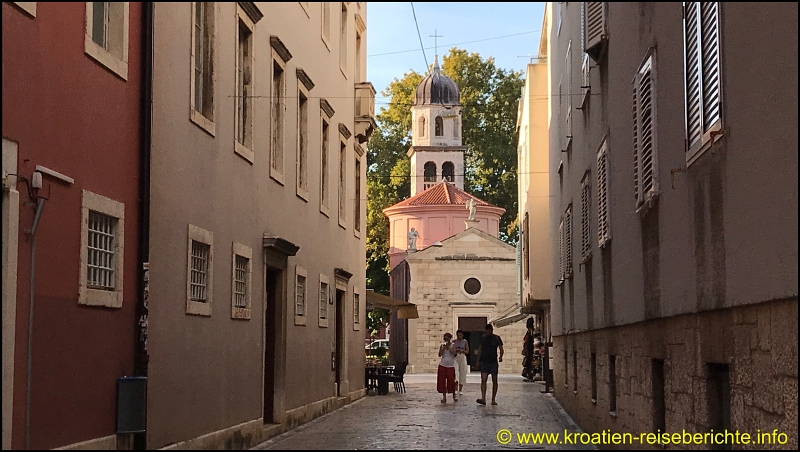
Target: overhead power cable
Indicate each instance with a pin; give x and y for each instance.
(420, 36)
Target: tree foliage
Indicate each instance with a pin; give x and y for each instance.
(489, 96)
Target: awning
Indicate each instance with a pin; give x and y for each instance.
(511, 315)
(404, 309)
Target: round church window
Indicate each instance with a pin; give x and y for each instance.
(472, 286)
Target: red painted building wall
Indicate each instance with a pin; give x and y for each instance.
(73, 115)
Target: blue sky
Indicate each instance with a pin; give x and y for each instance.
(391, 28)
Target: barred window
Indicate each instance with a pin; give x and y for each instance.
(323, 300)
(101, 261)
(198, 281)
(356, 306)
(300, 296)
(240, 281)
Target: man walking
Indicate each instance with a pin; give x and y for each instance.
(487, 360)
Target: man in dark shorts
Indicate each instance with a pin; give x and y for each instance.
(488, 360)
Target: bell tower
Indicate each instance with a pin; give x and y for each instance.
(436, 153)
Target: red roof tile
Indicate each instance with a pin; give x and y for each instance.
(441, 194)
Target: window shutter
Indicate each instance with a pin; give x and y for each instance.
(568, 242)
(635, 117)
(585, 80)
(568, 114)
(603, 227)
(595, 33)
(561, 146)
(586, 244)
(561, 250)
(692, 77)
(709, 32)
(645, 142)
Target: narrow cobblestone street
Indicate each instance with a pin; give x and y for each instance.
(417, 419)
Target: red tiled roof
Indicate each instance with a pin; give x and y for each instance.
(439, 194)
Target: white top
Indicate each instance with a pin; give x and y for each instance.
(448, 357)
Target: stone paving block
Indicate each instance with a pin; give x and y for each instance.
(417, 420)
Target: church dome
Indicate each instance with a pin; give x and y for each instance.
(437, 89)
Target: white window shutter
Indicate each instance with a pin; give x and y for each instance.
(691, 21)
(586, 244)
(568, 242)
(603, 225)
(568, 115)
(561, 258)
(645, 132)
(709, 33)
(595, 25)
(635, 116)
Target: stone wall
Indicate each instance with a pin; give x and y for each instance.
(757, 343)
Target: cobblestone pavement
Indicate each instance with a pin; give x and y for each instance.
(418, 420)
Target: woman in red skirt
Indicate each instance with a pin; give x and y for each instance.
(446, 375)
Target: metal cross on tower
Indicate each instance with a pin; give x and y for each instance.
(435, 37)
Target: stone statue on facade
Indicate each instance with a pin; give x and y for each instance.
(472, 206)
(412, 239)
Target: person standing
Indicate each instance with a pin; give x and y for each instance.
(527, 352)
(446, 374)
(462, 350)
(488, 361)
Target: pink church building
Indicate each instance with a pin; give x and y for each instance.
(437, 208)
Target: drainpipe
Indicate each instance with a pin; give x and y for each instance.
(32, 232)
(141, 356)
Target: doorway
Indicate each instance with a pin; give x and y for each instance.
(273, 290)
(338, 357)
(473, 328)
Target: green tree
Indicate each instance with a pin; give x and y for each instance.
(489, 96)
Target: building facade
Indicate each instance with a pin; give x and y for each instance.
(466, 283)
(257, 224)
(533, 121)
(71, 151)
(673, 163)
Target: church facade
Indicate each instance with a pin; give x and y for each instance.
(460, 274)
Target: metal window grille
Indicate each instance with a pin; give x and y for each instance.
(356, 301)
(198, 283)
(101, 262)
(323, 300)
(240, 281)
(300, 296)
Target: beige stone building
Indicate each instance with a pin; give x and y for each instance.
(257, 234)
(533, 120)
(467, 282)
(673, 174)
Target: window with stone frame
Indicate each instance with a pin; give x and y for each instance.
(357, 198)
(343, 41)
(302, 143)
(203, 22)
(342, 181)
(241, 276)
(326, 23)
(244, 86)
(301, 277)
(102, 251)
(200, 271)
(324, 299)
(324, 176)
(278, 110)
(106, 38)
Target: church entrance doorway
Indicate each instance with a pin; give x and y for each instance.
(473, 328)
